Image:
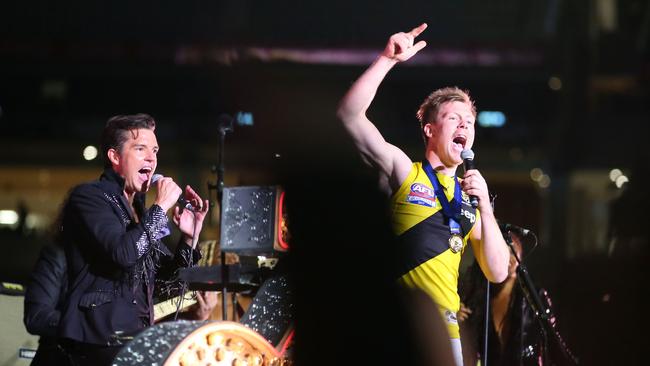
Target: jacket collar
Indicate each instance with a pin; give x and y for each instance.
(115, 184)
(110, 176)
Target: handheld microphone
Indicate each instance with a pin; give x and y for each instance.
(182, 202)
(468, 163)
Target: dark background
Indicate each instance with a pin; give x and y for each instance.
(66, 67)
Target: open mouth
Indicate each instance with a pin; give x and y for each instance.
(145, 173)
(460, 141)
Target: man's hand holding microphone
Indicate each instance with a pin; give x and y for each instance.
(192, 211)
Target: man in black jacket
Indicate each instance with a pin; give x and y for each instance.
(113, 243)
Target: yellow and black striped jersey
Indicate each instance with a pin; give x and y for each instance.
(423, 232)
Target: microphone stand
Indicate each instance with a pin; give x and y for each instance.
(542, 313)
(488, 318)
(530, 294)
(225, 125)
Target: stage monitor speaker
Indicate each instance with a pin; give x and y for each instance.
(253, 221)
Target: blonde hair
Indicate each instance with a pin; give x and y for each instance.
(429, 108)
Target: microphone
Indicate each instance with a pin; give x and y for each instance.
(468, 163)
(182, 202)
(515, 229)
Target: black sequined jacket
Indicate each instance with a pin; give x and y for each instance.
(112, 261)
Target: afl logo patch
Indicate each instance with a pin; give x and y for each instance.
(421, 195)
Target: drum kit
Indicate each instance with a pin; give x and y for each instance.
(183, 343)
(260, 338)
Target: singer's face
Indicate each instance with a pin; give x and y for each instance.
(137, 161)
(452, 132)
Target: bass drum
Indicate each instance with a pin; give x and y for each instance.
(198, 343)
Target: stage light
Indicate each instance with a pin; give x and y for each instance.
(620, 181)
(244, 118)
(544, 181)
(536, 174)
(614, 174)
(36, 221)
(90, 152)
(8, 217)
(491, 119)
(555, 83)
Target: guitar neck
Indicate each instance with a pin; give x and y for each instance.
(164, 308)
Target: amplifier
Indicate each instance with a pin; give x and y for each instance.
(17, 347)
(253, 221)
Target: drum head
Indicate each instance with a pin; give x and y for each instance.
(198, 343)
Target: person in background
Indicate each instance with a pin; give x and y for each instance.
(44, 297)
(514, 334)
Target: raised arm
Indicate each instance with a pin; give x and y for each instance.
(375, 151)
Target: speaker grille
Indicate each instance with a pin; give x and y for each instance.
(248, 219)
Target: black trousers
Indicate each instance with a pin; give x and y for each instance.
(49, 353)
(86, 354)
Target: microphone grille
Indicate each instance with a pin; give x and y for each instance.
(467, 154)
(155, 177)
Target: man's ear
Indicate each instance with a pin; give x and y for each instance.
(113, 157)
(428, 130)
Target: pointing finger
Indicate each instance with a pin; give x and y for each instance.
(417, 30)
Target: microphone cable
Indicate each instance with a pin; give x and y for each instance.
(190, 264)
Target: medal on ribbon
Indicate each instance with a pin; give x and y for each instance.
(450, 209)
(455, 243)
(455, 240)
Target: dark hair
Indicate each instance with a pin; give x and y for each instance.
(115, 132)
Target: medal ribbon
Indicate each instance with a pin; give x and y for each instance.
(451, 209)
